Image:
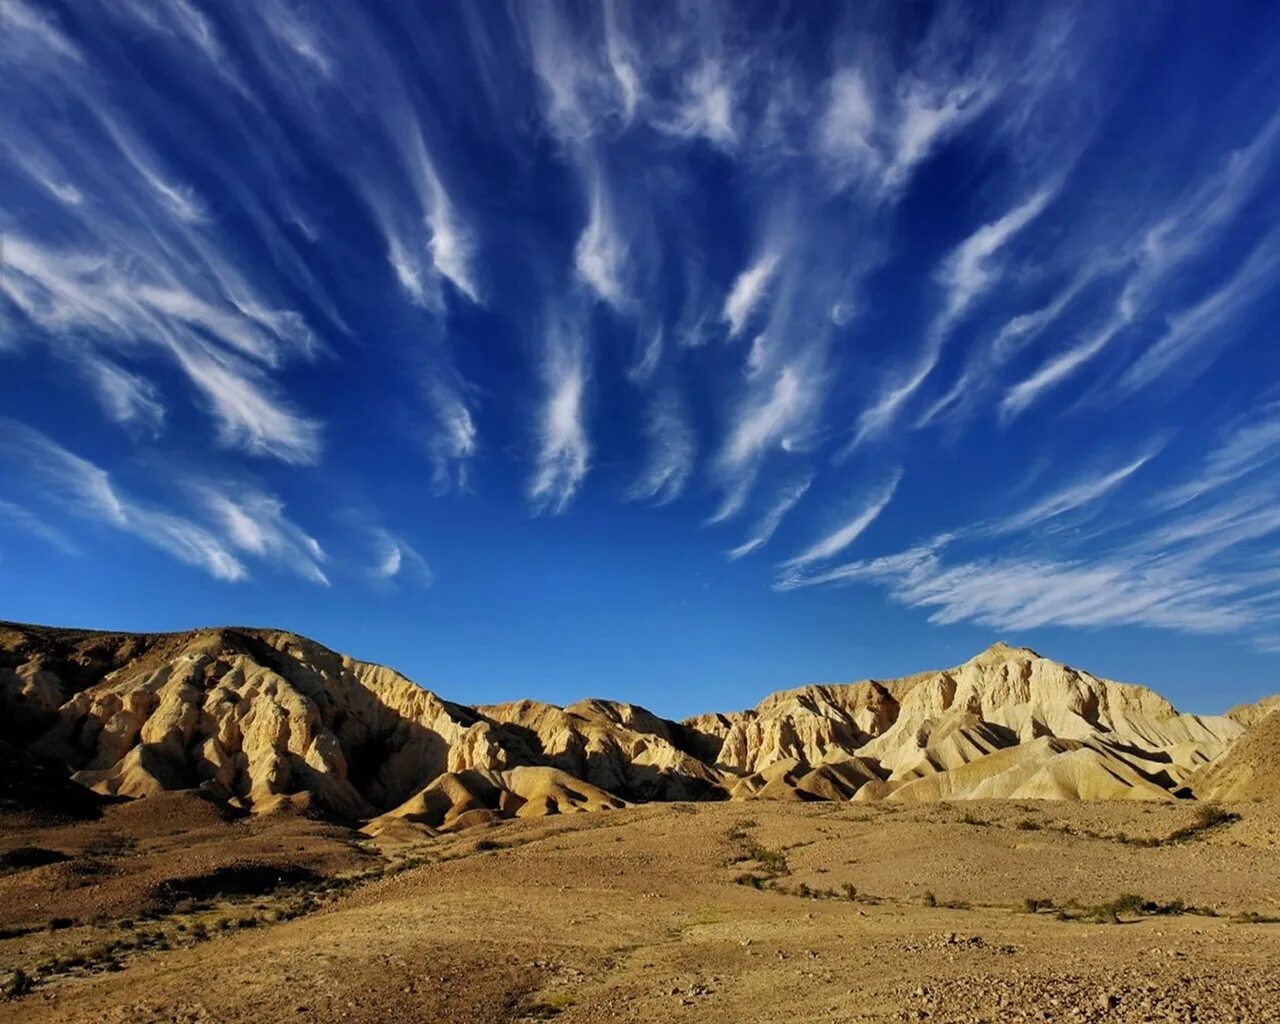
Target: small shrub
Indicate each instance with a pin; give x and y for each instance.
(773, 861)
(930, 900)
(1128, 903)
(17, 984)
(1211, 815)
(1207, 817)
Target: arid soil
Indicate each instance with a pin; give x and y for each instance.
(168, 909)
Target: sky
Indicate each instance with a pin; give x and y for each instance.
(674, 353)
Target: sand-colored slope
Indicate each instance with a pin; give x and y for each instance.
(1249, 770)
(461, 799)
(619, 747)
(1047, 768)
(263, 718)
(257, 717)
(1250, 715)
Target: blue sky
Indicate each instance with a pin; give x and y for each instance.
(675, 353)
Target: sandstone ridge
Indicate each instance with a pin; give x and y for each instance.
(266, 720)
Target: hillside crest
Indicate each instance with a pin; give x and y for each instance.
(265, 719)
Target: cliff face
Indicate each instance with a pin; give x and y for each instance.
(263, 718)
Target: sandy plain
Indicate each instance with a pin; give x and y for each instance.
(165, 909)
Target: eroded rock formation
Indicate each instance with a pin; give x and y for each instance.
(263, 719)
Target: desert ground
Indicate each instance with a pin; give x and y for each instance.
(170, 909)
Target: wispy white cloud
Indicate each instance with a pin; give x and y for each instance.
(972, 269)
(1070, 498)
(641, 371)
(101, 295)
(86, 490)
(839, 539)
(1245, 446)
(125, 397)
(255, 523)
(450, 241)
(1199, 328)
(1185, 232)
(983, 366)
(965, 275)
(584, 87)
(788, 498)
(1026, 392)
(31, 34)
(623, 61)
(602, 252)
(1206, 569)
(564, 450)
(846, 130)
(454, 440)
(398, 561)
(26, 521)
(289, 25)
(875, 134)
(776, 416)
(181, 199)
(928, 114)
(1021, 329)
(672, 449)
(748, 290)
(182, 21)
(248, 415)
(1027, 593)
(705, 109)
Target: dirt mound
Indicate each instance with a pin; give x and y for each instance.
(461, 799)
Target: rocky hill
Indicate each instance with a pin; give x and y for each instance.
(263, 719)
(1250, 767)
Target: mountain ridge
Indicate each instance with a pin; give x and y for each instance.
(266, 719)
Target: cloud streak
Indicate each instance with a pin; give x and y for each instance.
(788, 498)
(672, 450)
(843, 536)
(564, 450)
(1184, 233)
(966, 274)
(86, 490)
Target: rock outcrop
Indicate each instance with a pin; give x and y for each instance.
(264, 720)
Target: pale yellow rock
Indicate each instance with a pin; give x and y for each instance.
(1250, 768)
(270, 721)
